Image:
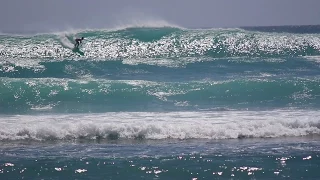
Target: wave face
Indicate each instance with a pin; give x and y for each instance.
(161, 43)
(142, 82)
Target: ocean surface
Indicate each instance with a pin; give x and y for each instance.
(161, 103)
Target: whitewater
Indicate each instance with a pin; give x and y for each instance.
(161, 102)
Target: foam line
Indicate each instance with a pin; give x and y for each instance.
(152, 125)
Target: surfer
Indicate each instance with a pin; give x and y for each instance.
(78, 41)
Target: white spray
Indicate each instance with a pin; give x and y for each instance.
(65, 41)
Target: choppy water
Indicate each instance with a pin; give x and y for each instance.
(163, 103)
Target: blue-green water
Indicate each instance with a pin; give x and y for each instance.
(161, 103)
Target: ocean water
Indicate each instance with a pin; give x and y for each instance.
(161, 103)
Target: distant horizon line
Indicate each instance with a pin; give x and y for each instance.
(313, 27)
(249, 26)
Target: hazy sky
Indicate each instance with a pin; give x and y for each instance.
(53, 15)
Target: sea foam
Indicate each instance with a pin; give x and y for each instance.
(154, 125)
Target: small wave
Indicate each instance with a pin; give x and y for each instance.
(173, 125)
(92, 95)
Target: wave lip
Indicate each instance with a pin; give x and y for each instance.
(152, 125)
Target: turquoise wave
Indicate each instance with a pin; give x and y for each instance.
(160, 43)
(66, 95)
(157, 70)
